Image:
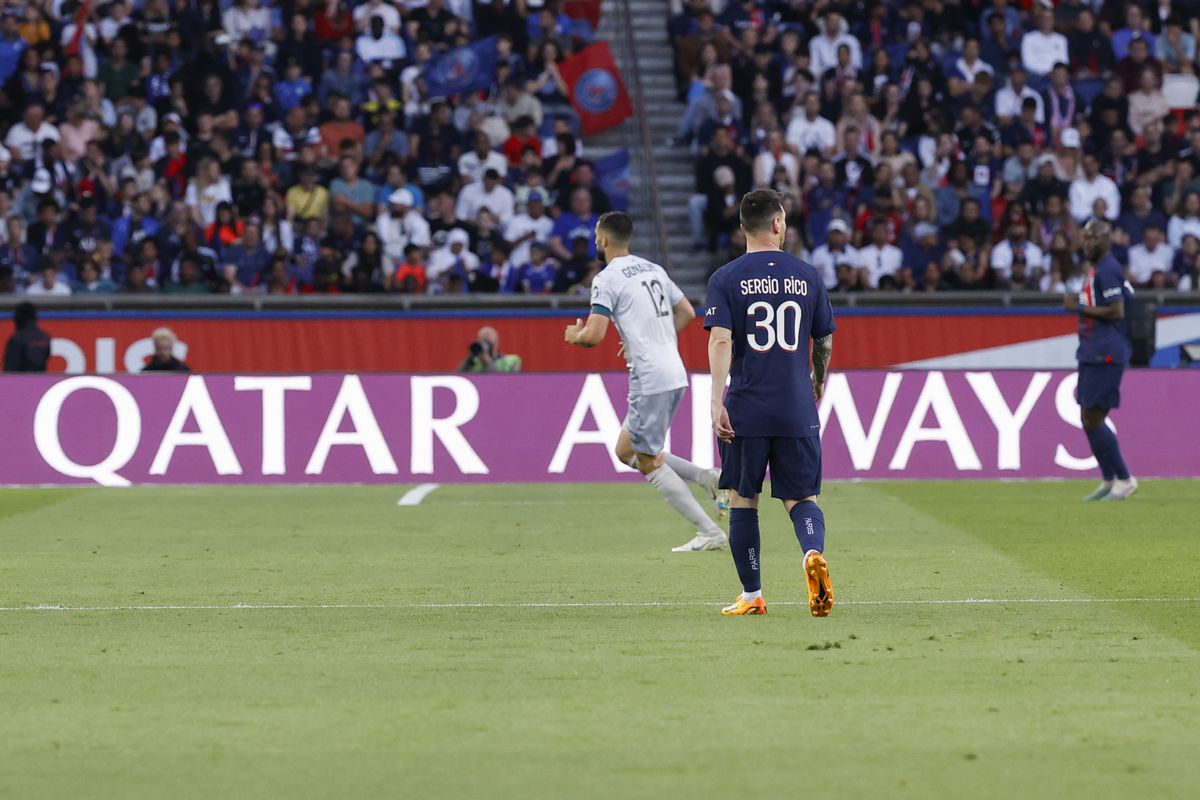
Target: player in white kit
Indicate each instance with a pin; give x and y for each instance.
(649, 310)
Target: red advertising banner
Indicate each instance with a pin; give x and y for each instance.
(396, 342)
(595, 88)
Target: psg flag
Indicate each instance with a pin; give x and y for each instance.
(595, 88)
(612, 175)
(588, 10)
(463, 70)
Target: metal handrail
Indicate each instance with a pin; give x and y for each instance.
(500, 304)
(647, 166)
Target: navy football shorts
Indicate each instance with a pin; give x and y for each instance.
(1099, 385)
(795, 466)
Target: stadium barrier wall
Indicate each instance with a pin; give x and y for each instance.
(366, 341)
(227, 429)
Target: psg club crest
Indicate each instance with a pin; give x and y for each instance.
(457, 69)
(596, 91)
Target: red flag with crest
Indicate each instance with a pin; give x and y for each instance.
(595, 88)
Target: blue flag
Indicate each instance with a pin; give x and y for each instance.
(463, 70)
(612, 176)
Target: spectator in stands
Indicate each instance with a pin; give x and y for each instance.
(1017, 262)
(188, 280)
(969, 224)
(1187, 264)
(90, 280)
(1140, 215)
(854, 168)
(475, 162)
(808, 130)
(163, 359)
(578, 221)
(245, 264)
(836, 260)
(410, 275)
(485, 194)
(1043, 48)
(306, 200)
(1137, 28)
(1092, 186)
(1010, 97)
(1185, 221)
(881, 265)
(823, 49)
(25, 138)
(1091, 51)
(1152, 262)
(522, 229)
(378, 45)
(450, 266)
(1147, 104)
(349, 192)
(1131, 67)
(539, 274)
(1175, 47)
(206, 191)
(49, 284)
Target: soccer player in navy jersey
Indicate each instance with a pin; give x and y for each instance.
(1104, 350)
(764, 311)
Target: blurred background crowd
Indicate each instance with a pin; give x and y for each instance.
(196, 146)
(204, 146)
(932, 144)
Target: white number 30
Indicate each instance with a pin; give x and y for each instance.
(775, 326)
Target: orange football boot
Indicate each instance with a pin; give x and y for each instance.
(742, 607)
(820, 588)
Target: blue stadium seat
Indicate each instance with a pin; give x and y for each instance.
(1087, 90)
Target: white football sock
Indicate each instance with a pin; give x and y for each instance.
(675, 491)
(750, 597)
(685, 469)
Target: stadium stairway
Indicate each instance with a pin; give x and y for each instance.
(673, 166)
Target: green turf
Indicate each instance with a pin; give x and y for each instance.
(1033, 700)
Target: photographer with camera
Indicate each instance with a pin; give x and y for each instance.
(483, 354)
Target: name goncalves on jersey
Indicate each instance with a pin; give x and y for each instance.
(772, 286)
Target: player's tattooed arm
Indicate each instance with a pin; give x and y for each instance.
(821, 353)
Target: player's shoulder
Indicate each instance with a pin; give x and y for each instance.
(1110, 265)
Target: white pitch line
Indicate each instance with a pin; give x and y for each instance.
(415, 495)
(965, 601)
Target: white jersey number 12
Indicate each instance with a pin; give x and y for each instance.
(657, 297)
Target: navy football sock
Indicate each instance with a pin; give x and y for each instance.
(809, 522)
(1103, 440)
(1102, 449)
(744, 544)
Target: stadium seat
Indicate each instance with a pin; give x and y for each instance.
(1088, 89)
(1181, 90)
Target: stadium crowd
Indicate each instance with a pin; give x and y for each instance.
(200, 146)
(932, 144)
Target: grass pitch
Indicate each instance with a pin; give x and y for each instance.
(1087, 685)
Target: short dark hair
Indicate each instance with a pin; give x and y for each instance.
(25, 314)
(617, 225)
(758, 208)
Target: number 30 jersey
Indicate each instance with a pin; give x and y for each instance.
(774, 304)
(640, 299)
